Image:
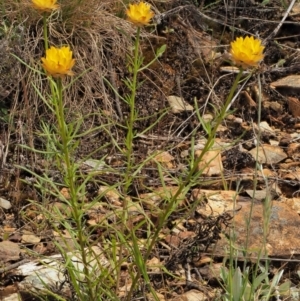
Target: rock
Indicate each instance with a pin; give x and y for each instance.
(268, 154)
(30, 238)
(266, 128)
(273, 142)
(152, 199)
(9, 251)
(111, 193)
(283, 232)
(12, 297)
(291, 81)
(212, 271)
(93, 165)
(294, 106)
(65, 193)
(262, 194)
(154, 265)
(5, 204)
(165, 158)
(44, 274)
(207, 117)
(178, 104)
(293, 150)
(161, 297)
(217, 202)
(134, 208)
(211, 163)
(293, 203)
(192, 295)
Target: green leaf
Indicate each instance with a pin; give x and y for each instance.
(259, 280)
(161, 50)
(284, 288)
(237, 290)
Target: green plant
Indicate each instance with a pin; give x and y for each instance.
(242, 286)
(252, 283)
(121, 242)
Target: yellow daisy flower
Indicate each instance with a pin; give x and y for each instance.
(139, 13)
(58, 61)
(247, 52)
(45, 5)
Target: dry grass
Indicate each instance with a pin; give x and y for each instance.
(100, 40)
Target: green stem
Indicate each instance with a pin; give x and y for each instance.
(45, 30)
(168, 209)
(149, 64)
(70, 181)
(193, 170)
(129, 144)
(129, 147)
(132, 115)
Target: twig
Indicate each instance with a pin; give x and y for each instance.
(274, 33)
(13, 266)
(191, 284)
(161, 16)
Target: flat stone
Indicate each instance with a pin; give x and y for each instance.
(111, 194)
(293, 150)
(30, 238)
(260, 195)
(192, 295)
(9, 251)
(217, 202)
(294, 204)
(211, 163)
(266, 128)
(269, 154)
(161, 193)
(291, 81)
(207, 117)
(165, 158)
(178, 104)
(5, 204)
(283, 232)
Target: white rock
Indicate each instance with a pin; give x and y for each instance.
(178, 104)
(47, 273)
(268, 154)
(5, 204)
(266, 128)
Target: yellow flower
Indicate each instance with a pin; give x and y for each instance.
(58, 61)
(45, 5)
(139, 13)
(247, 52)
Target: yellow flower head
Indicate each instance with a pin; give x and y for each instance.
(139, 13)
(45, 5)
(58, 61)
(247, 52)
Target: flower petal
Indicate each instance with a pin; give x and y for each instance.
(139, 13)
(45, 5)
(247, 52)
(58, 61)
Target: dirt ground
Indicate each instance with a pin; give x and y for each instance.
(197, 35)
